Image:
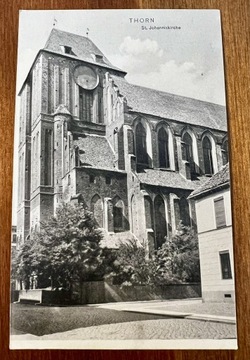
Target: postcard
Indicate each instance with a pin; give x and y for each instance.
(122, 226)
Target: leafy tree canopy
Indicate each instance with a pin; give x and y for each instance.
(64, 250)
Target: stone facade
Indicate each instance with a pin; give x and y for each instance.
(132, 155)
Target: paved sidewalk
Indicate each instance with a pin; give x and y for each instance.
(182, 319)
(189, 309)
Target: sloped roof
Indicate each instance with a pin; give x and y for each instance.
(168, 179)
(171, 106)
(95, 151)
(82, 47)
(216, 182)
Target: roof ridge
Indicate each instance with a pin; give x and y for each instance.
(168, 93)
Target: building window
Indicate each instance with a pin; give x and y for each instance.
(207, 156)
(48, 158)
(226, 271)
(219, 209)
(97, 210)
(187, 151)
(181, 211)
(67, 50)
(163, 151)
(141, 145)
(148, 212)
(92, 179)
(118, 210)
(160, 221)
(85, 105)
(108, 180)
(225, 152)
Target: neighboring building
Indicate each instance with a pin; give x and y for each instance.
(131, 154)
(214, 224)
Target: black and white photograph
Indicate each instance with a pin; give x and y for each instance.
(121, 228)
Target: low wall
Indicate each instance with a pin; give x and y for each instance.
(115, 293)
(44, 296)
(34, 295)
(95, 292)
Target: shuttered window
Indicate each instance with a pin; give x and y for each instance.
(220, 216)
(226, 271)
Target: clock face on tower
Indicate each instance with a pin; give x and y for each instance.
(86, 77)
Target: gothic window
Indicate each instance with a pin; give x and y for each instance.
(97, 210)
(85, 105)
(187, 151)
(118, 209)
(163, 151)
(148, 212)
(141, 145)
(184, 212)
(177, 213)
(48, 157)
(225, 152)
(160, 221)
(207, 155)
(187, 148)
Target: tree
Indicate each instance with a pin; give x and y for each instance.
(131, 265)
(65, 250)
(178, 258)
(176, 261)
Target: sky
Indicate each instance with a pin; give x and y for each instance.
(187, 60)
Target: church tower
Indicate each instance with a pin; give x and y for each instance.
(63, 91)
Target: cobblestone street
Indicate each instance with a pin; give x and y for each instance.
(151, 329)
(114, 321)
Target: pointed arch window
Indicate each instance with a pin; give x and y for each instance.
(188, 152)
(118, 211)
(160, 221)
(163, 148)
(148, 212)
(141, 145)
(97, 210)
(207, 156)
(187, 148)
(225, 152)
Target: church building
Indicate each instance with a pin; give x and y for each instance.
(132, 155)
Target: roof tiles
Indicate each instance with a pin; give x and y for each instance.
(95, 151)
(170, 106)
(218, 180)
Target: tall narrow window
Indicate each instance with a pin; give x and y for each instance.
(226, 271)
(118, 208)
(85, 105)
(163, 152)
(141, 145)
(207, 155)
(160, 221)
(97, 210)
(177, 213)
(148, 212)
(184, 212)
(187, 152)
(219, 209)
(47, 157)
(225, 152)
